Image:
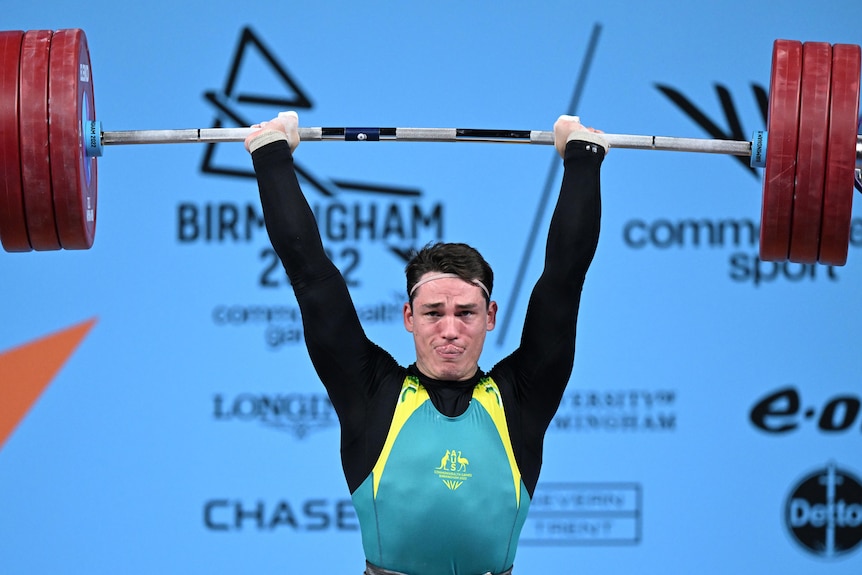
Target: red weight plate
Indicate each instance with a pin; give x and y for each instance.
(783, 128)
(811, 152)
(13, 223)
(73, 173)
(841, 154)
(33, 133)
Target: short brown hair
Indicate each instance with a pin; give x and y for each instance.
(451, 258)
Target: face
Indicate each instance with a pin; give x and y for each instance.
(449, 321)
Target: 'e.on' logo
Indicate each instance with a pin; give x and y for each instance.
(824, 512)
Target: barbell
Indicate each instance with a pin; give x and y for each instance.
(811, 150)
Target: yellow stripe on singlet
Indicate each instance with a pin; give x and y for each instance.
(411, 397)
(488, 395)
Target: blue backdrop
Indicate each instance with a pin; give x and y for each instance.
(712, 424)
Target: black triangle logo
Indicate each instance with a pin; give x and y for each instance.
(230, 102)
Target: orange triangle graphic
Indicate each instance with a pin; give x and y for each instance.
(27, 370)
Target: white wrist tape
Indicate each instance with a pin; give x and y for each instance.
(266, 137)
(591, 137)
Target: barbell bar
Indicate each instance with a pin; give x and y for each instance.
(811, 149)
(320, 134)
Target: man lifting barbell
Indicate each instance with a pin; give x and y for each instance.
(441, 458)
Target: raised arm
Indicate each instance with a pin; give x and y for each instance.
(546, 352)
(334, 336)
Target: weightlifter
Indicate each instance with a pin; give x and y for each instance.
(441, 457)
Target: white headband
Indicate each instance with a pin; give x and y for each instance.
(475, 282)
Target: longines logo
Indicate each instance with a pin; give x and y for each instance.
(295, 413)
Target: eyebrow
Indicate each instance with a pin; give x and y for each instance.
(459, 306)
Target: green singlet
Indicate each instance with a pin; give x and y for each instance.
(444, 478)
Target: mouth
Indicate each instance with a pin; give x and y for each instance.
(449, 351)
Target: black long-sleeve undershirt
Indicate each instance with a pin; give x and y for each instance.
(363, 380)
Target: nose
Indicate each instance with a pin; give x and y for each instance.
(449, 327)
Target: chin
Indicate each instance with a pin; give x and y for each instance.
(451, 373)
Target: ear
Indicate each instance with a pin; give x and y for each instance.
(408, 317)
(492, 315)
